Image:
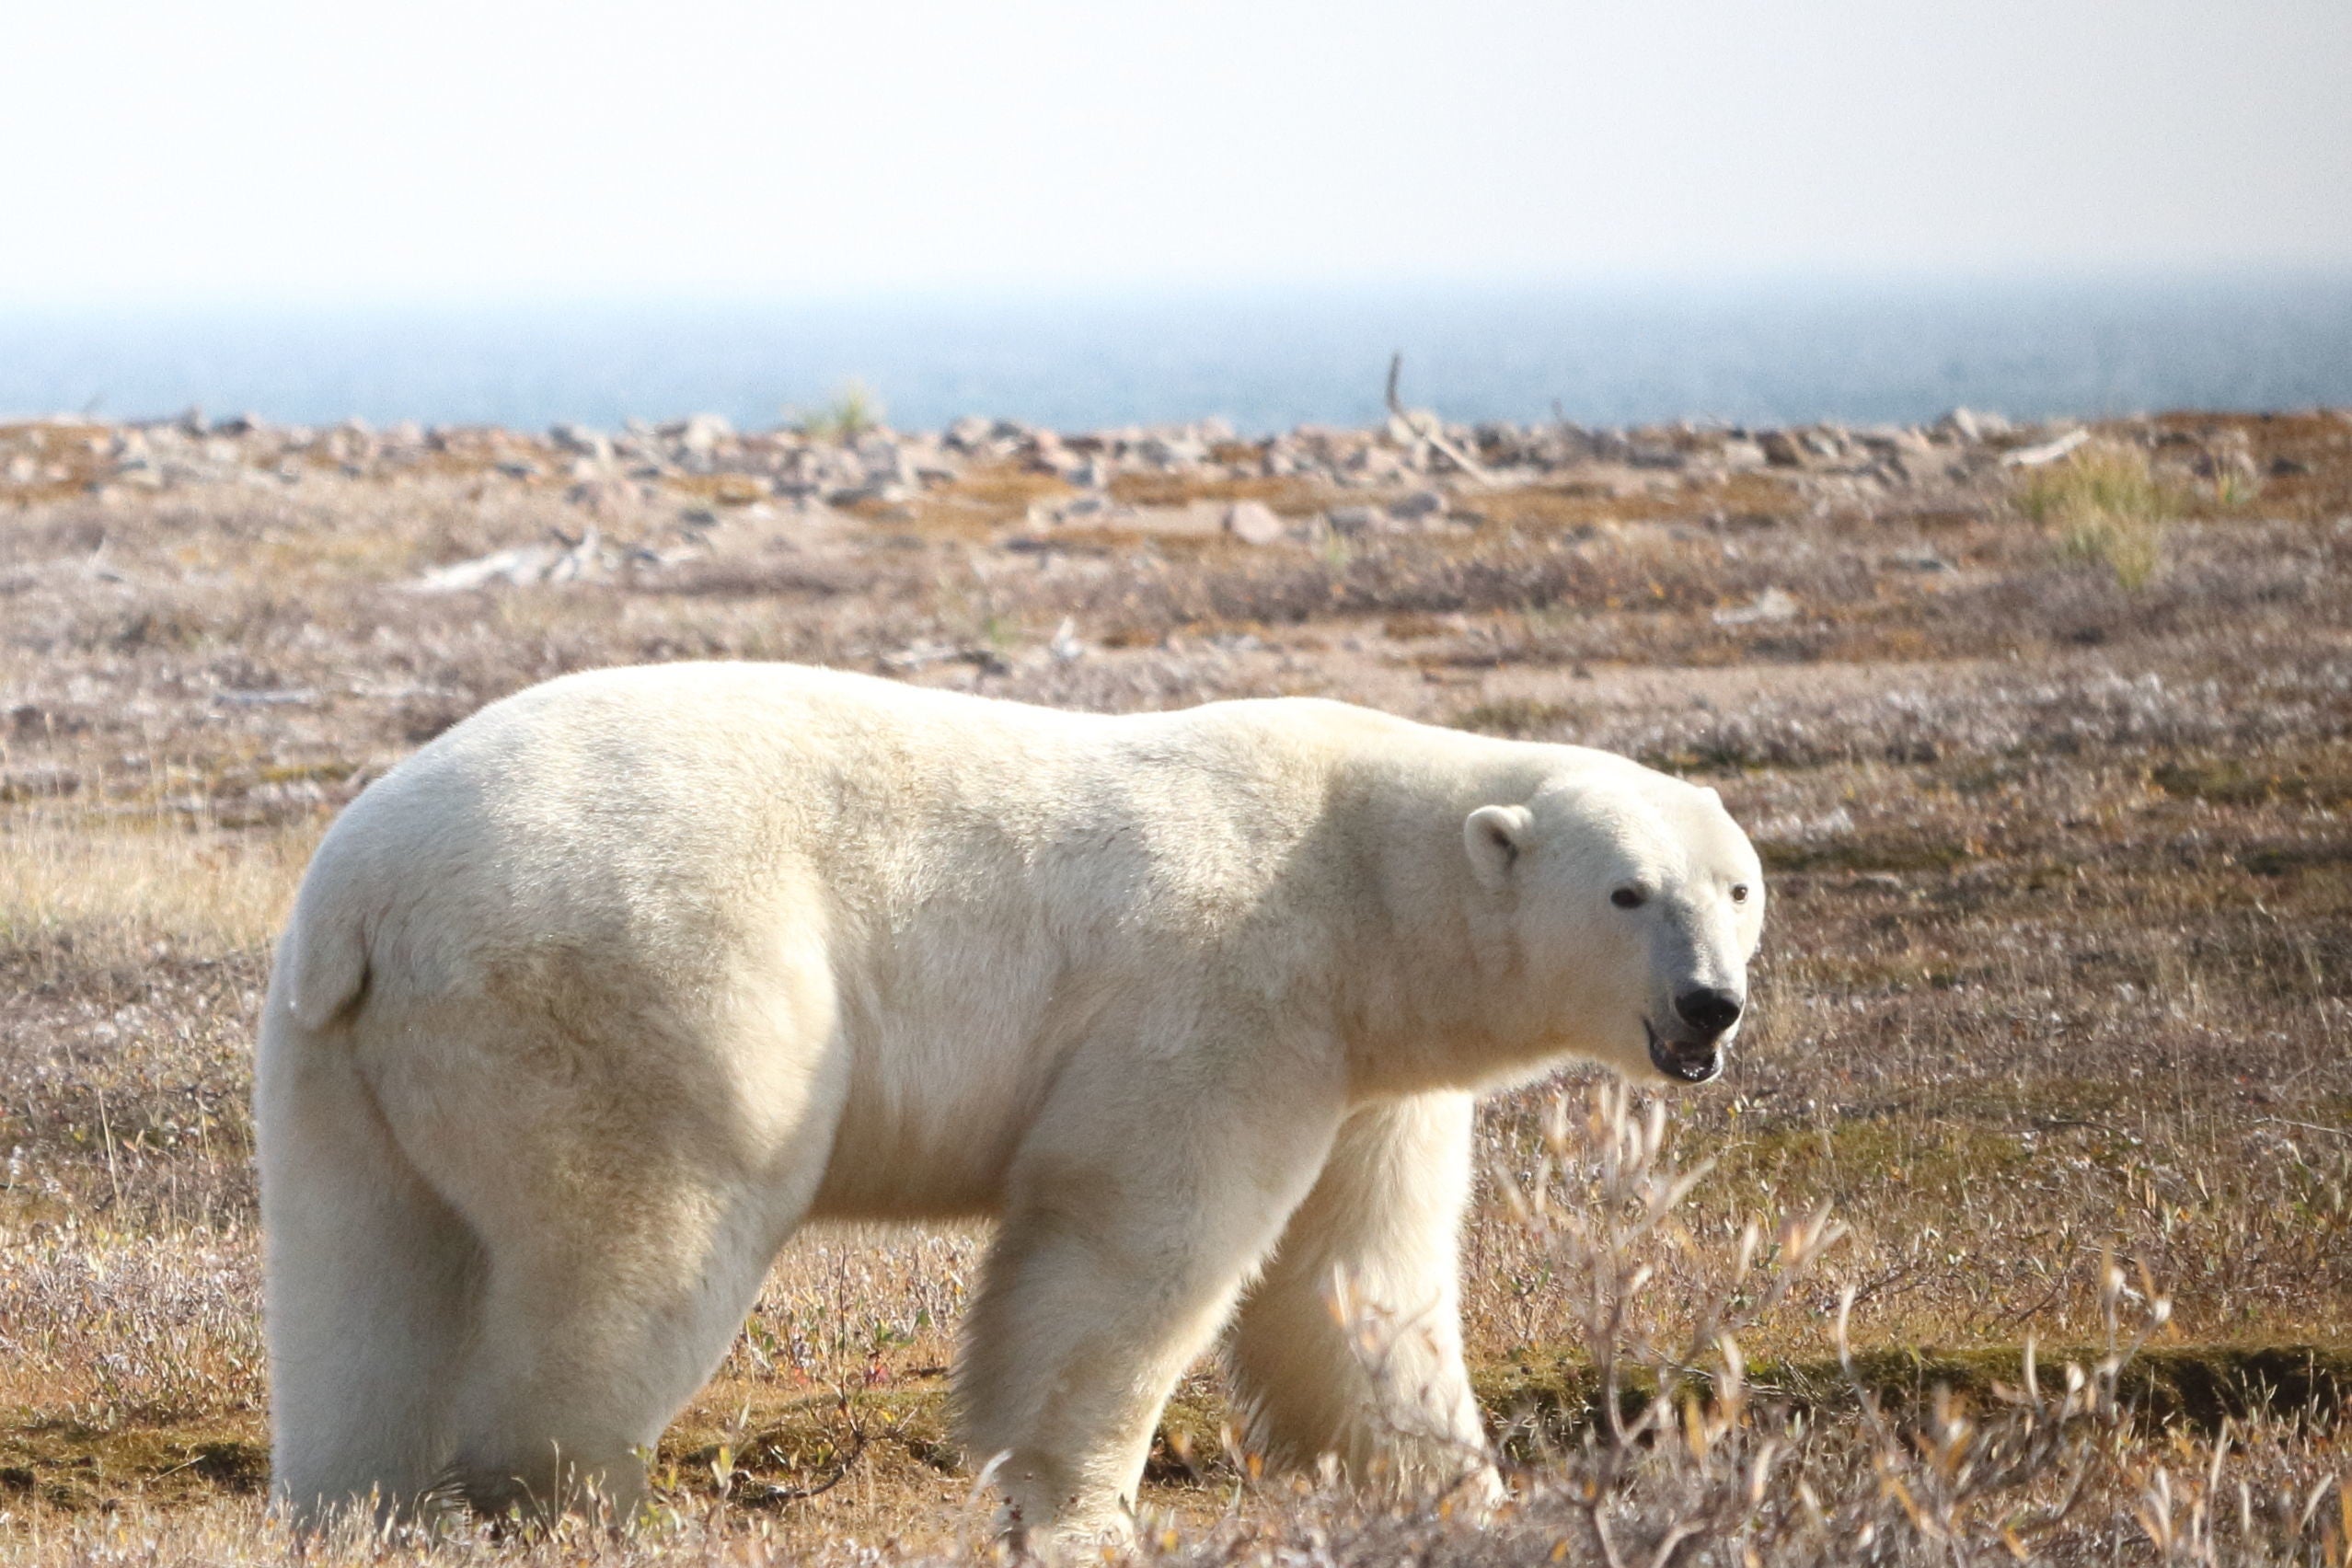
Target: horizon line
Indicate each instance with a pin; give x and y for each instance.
(1043, 293)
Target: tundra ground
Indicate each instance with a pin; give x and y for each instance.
(2052, 766)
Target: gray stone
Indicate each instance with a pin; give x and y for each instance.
(702, 435)
(1421, 504)
(1772, 605)
(1971, 426)
(886, 462)
(1172, 451)
(1253, 523)
(2046, 451)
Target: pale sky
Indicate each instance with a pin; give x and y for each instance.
(236, 151)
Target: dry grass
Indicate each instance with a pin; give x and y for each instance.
(2056, 970)
(2105, 507)
(131, 886)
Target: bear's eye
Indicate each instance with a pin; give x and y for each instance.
(1739, 892)
(1627, 898)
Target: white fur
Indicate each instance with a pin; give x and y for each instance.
(588, 1005)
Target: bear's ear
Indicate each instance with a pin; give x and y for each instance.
(1496, 837)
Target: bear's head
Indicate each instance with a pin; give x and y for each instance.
(1634, 903)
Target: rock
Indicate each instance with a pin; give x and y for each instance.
(605, 497)
(520, 566)
(523, 566)
(2235, 463)
(1253, 523)
(886, 462)
(1740, 456)
(1970, 426)
(1351, 521)
(1780, 449)
(1419, 506)
(884, 494)
(1173, 452)
(1772, 605)
(1924, 465)
(970, 433)
(1064, 645)
(2046, 451)
(582, 439)
(701, 434)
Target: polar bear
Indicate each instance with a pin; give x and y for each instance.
(586, 1006)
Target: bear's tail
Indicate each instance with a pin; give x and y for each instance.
(371, 1283)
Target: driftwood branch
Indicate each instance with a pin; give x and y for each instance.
(1426, 426)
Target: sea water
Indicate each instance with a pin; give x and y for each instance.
(1757, 353)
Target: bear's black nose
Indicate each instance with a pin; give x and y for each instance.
(1707, 1009)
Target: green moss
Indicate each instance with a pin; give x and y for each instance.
(2285, 859)
(1860, 855)
(1923, 1156)
(2196, 1387)
(2229, 782)
(73, 1466)
(1514, 716)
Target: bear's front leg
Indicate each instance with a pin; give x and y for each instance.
(1142, 1200)
(1351, 1344)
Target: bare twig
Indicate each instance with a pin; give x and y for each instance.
(1426, 427)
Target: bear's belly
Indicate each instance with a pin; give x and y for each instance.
(938, 1100)
(949, 1038)
(928, 1135)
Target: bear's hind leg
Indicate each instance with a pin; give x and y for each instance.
(371, 1282)
(630, 1172)
(581, 1364)
(1380, 1384)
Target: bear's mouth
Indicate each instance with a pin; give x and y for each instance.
(1685, 1061)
